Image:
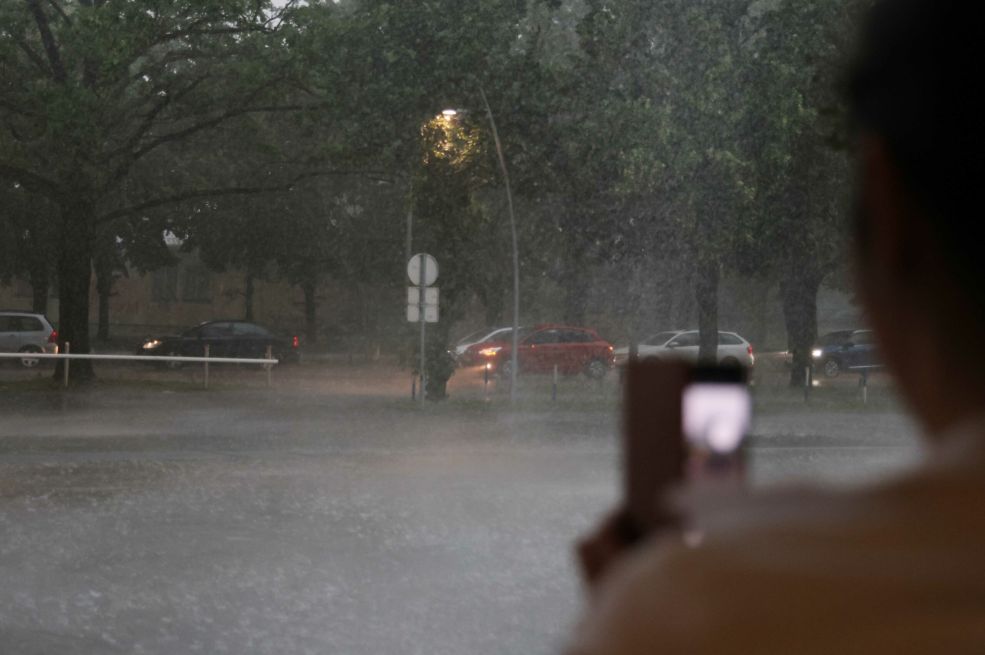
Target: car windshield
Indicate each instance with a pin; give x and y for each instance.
(368, 180)
(475, 337)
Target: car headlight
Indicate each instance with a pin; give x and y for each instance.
(152, 344)
(817, 353)
(490, 352)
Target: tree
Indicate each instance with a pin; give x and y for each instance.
(95, 93)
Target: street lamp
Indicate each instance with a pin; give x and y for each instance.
(453, 114)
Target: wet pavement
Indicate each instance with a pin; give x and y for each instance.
(139, 520)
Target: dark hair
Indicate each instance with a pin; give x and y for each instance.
(917, 83)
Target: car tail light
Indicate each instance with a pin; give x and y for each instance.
(295, 341)
(749, 350)
(53, 337)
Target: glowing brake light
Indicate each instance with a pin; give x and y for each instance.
(295, 341)
(53, 337)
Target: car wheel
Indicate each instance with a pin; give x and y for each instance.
(30, 362)
(596, 369)
(730, 361)
(831, 368)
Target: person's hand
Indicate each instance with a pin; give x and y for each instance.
(616, 536)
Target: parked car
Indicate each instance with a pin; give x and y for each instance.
(27, 332)
(225, 339)
(466, 352)
(572, 349)
(844, 350)
(733, 350)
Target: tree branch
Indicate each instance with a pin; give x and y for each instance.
(35, 58)
(199, 194)
(48, 41)
(61, 12)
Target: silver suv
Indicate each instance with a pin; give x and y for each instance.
(26, 332)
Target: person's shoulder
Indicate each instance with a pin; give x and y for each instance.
(787, 570)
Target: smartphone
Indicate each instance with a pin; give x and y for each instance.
(681, 424)
(716, 413)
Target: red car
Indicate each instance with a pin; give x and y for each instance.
(571, 349)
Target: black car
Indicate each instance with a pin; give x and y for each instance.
(846, 350)
(224, 339)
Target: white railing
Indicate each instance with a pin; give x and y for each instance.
(269, 361)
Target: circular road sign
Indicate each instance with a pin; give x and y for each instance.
(414, 269)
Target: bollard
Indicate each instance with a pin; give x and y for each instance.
(485, 378)
(554, 386)
(863, 382)
(206, 376)
(808, 382)
(413, 387)
(270, 367)
(68, 351)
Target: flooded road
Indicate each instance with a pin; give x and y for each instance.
(147, 521)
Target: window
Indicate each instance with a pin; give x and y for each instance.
(249, 330)
(687, 340)
(544, 337)
(862, 338)
(215, 330)
(576, 336)
(726, 339)
(658, 339)
(164, 284)
(26, 324)
(197, 285)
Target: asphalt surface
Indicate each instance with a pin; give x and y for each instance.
(328, 518)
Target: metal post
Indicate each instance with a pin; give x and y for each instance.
(863, 382)
(554, 386)
(485, 378)
(410, 231)
(270, 367)
(206, 377)
(421, 301)
(413, 387)
(514, 355)
(68, 351)
(807, 383)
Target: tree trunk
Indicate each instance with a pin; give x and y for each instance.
(104, 287)
(310, 312)
(440, 365)
(39, 289)
(74, 278)
(799, 297)
(248, 298)
(576, 290)
(706, 295)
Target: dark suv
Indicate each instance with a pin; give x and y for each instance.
(224, 339)
(846, 350)
(571, 349)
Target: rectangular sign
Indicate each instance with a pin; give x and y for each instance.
(414, 314)
(430, 295)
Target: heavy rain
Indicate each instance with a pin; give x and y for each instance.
(421, 243)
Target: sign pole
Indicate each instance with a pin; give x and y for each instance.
(421, 304)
